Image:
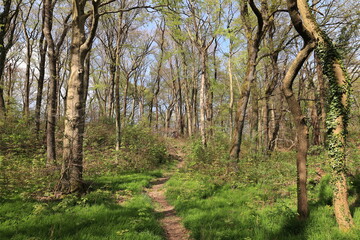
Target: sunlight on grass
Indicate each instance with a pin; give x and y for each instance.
(96, 215)
(247, 213)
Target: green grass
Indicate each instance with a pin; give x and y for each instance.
(116, 208)
(260, 209)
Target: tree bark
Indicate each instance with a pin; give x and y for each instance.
(72, 168)
(337, 117)
(7, 30)
(252, 49)
(40, 82)
(53, 55)
(295, 109)
(203, 97)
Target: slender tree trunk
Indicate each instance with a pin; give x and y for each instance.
(117, 110)
(187, 97)
(252, 49)
(7, 29)
(52, 96)
(27, 78)
(180, 100)
(203, 97)
(277, 117)
(112, 91)
(231, 93)
(126, 89)
(301, 128)
(295, 109)
(40, 83)
(321, 111)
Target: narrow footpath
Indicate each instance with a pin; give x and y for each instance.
(170, 222)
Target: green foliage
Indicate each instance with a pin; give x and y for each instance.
(247, 212)
(100, 134)
(141, 149)
(25, 175)
(338, 110)
(17, 137)
(325, 191)
(104, 213)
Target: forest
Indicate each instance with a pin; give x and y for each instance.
(179, 119)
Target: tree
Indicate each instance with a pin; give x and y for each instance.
(253, 47)
(72, 168)
(295, 108)
(40, 80)
(8, 18)
(338, 113)
(53, 56)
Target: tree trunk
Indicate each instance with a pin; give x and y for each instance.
(301, 129)
(52, 96)
(337, 117)
(252, 49)
(27, 77)
(203, 97)
(72, 169)
(180, 99)
(295, 109)
(231, 93)
(40, 83)
(7, 29)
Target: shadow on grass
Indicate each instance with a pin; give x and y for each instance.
(92, 216)
(131, 181)
(106, 221)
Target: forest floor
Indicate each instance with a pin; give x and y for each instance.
(170, 222)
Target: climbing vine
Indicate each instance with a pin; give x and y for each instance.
(338, 110)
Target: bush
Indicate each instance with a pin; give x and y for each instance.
(140, 150)
(100, 133)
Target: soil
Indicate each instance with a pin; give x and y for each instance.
(170, 222)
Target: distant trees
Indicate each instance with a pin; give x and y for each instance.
(8, 18)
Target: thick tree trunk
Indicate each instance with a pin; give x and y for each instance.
(72, 169)
(339, 107)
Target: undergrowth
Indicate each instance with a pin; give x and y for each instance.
(114, 206)
(259, 200)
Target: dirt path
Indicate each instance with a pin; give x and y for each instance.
(170, 222)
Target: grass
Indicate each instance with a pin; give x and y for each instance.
(116, 208)
(260, 203)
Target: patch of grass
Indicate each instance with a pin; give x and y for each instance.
(247, 212)
(116, 208)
